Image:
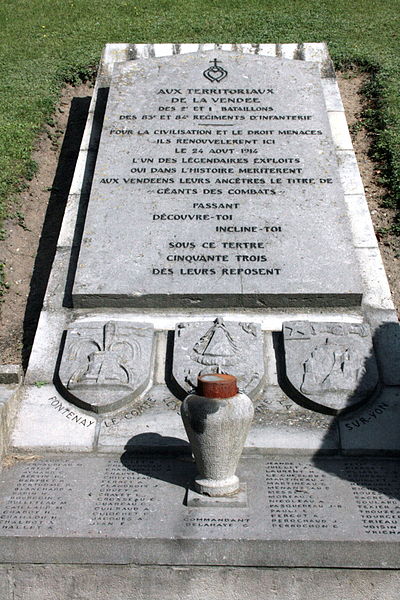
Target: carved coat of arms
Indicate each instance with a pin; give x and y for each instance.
(105, 364)
(331, 364)
(218, 347)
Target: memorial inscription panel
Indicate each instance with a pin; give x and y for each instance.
(216, 184)
(351, 505)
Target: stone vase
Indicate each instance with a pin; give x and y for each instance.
(217, 429)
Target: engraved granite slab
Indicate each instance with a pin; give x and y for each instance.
(216, 185)
(340, 512)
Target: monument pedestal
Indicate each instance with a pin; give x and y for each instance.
(226, 231)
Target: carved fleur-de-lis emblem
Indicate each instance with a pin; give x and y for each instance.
(105, 364)
(215, 73)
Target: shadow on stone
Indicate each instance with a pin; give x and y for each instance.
(326, 367)
(98, 118)
(371, 432)
(170, 380)
(177, 468)
(53, 220)
(152, 443)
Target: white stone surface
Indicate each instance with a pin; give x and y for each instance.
(248, 48)
(160, 354)
(56, 286)
(349, 173)
(315, 52)
(361, 223)
(46, 421)
(144, 50)
(8, 398)
(205, 47)
(7, 391)
(267, 50)
(289, 50)
(163, 49)
(340, 132)
(272, 439)
(271, 321)
(153, 430)
(271, 375)
(43, 359)
(261, 49)
(377, 291)
(333, 100)
(67, 230)
(116, 268)
(76, 185)
(187, 48)
(113, 53)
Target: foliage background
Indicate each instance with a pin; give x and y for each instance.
(45, 43)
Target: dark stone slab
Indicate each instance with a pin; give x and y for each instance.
(119, 510)
(387, 344)
(374, 428)
(10, 374)
(216, 185)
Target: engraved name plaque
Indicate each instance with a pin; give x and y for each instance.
(216, 184)
(322, 512)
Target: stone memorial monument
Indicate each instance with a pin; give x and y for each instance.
(216, 224)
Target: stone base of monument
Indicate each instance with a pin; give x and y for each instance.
(96, 485)
(300, 512)
(214, 583)
(239, 499)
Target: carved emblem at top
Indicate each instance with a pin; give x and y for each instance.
(216, 72)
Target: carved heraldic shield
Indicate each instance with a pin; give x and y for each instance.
(218, 347)
(331, 364)
(105, 364)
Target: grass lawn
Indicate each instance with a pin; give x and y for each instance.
(47, 42)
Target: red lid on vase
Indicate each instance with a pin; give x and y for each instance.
(217, 385)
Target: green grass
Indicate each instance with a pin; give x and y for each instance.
(47, 42)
